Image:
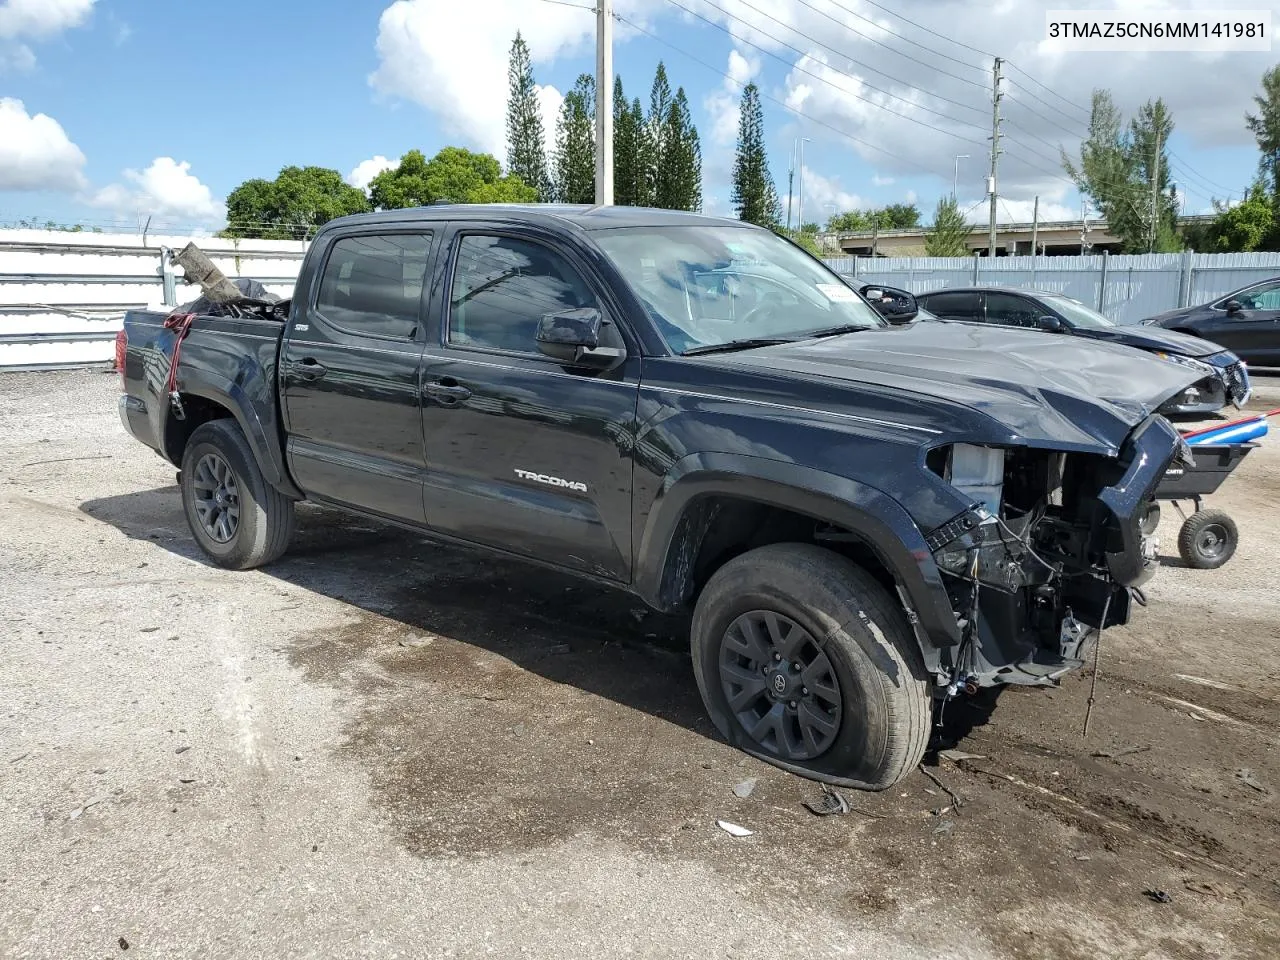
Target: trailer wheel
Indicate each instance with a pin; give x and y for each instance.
(1151, 519)
(1208, 539)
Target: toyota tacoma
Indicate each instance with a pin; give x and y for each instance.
(860, 518)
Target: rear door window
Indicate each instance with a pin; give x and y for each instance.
(372, 285)
(954, 306)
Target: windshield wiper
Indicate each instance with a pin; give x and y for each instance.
(834, 331)
(744, 344)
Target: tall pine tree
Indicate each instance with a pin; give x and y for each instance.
(575, 160)
(526, 143)
(655, 133)
(644, 156)
(679, 179)
(754, 197)
(627, 170)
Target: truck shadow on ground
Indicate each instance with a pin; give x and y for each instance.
(551, 624)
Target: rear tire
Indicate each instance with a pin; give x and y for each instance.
(805, 661)
(1208, 539)
(238, 519)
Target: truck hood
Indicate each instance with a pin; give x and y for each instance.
(1063, 392)
(1149, 338)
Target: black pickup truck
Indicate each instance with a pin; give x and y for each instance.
(861, 518)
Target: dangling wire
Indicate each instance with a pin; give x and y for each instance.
(1097, 656)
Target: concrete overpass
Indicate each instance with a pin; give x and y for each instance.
(1062, 238)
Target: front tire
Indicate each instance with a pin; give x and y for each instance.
(805, 661)
(238, 519)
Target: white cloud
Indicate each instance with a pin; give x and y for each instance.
(823, 196)
(1017, 211)
(453, 62)
(167, 188)
(366, 170)
(880, 181)
(35, 152)
(723, 104)
(35, 20)
(911, 196)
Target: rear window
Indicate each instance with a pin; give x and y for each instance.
(373, 285)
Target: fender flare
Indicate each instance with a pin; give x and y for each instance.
(871, 515)
(262, 437)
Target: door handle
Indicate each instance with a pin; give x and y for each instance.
(446, 391)
(308, 369)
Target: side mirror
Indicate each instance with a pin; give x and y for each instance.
(873, 293)
(573, 338)
(1234, 307)
(894, 305)
(1051, 323)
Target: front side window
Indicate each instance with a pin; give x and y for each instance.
(1077, 314)
(373, 284)
(502, 287)
(707, 285)
(1011, 311)
(1266, 297)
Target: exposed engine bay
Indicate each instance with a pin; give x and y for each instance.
(1050, 553)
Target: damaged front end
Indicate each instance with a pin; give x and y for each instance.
(1050, 552)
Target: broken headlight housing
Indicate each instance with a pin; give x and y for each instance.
(978, 546)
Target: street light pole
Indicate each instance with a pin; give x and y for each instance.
(956, 178)
(604, 103)
(800, 200)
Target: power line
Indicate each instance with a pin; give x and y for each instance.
(936, 53)
(845, 56)
(786, 106)
(816, 76)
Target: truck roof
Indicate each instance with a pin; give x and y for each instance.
(580, 215)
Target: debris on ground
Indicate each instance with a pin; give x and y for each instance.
(560, 648)
(1157, 896)
(955, 797)
(743, 789)
(832, 802)
(955, 756)
(733, 829)
(945, 827)
(91, 803)
(182, 750)
(1247, 777)
(414, 642)
(1120, 752)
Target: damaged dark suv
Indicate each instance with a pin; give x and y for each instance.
(860, 518)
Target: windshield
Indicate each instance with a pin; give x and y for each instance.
(1077, 313)
(709, 285)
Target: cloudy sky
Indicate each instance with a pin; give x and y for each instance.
(115, 110)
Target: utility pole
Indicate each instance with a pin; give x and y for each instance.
(1035, 226)
(1155, 191)
(996, 97)
(791, 177)
(800, 200)
(604, 103)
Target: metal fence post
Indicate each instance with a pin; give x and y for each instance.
(1184, 283)
(855, 266)
(975, 268)
(167, 279)
(1102, 283)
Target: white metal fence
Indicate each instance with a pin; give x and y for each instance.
(63, 295)
(1126, 289)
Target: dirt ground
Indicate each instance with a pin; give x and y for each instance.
(385, 748)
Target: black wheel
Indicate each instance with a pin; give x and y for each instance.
(1151, 519)
(238, 519)
(1208, 539)
(805, 661)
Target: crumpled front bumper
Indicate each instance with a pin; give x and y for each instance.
(1147, 454)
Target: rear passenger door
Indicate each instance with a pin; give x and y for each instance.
(1254, 333)
(523, 453)
(960, 305)
(349, 373)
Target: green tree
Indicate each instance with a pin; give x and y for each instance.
(1249, 225)
(1265, 127)
(755, 199)
(575, 159)
(454, 174)
(627, 172)
(899, 216)
(851, 221)
(895, 216)
(526, 140)
(291, 206)
(1117, 171)
(679, 178)
(656, 134)
(644, 156)
(949, 232)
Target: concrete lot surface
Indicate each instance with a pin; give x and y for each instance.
(382, 747)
